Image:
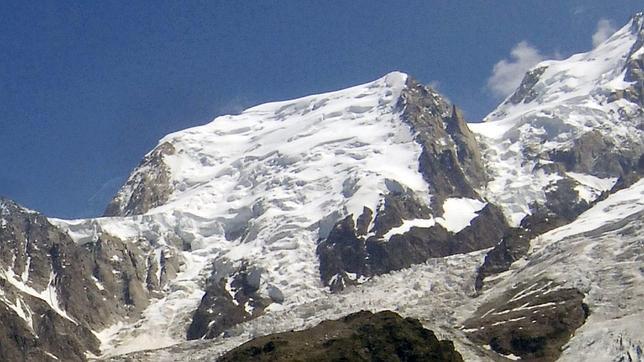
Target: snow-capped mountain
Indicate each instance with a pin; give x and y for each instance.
(584, 112)
(503, 236)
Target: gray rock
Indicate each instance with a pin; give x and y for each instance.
(534, 326)
(146, 189)
(526, 92)
(275, 294)
(442, 134)
(634, 70)
(347, 250)
(96, 284)
(230, 293)
(593, 153)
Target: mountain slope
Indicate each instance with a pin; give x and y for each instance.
(245, 199)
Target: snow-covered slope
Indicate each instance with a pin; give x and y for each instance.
(573, 104)
(263, 187)
(600, 253)
(250, 196)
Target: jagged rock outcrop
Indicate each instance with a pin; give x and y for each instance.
(593, 153)
(468, 149)
(362, 336)
(232, 296)
(348, 254)
(148, 187)
(450, 160)
(32, 331)
(634, 67)
(531, 320)
(59, 291)
(526, 92)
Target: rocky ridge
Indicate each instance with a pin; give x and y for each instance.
(56, 292)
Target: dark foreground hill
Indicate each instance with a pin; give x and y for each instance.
(362, 336)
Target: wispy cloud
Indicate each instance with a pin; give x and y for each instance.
(436, 85)
(508, 73)
(234, 105)
(95, 204)
(604, 30)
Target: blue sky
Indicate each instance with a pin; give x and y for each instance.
(87, 88)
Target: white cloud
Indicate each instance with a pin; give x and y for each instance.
(604, 30)
(436, 85)
(508, 73)
(232, 106)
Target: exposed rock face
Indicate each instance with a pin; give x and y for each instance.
(562, 206)
(58, 291)
(526, 93)
(532, 320)
(341, 253)
(148, 187)
(450, 160)
(362, 336)
(43, 334)
(634, 68)
(468, 149)
(347, 254)
(232, 296)
(452, 165)
(400, 204)
(634, 74)
(595, 154)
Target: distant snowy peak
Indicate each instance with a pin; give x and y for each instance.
(592, 80)
(582, 115)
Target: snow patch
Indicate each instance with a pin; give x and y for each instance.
(459, 212)
(407, 225)
(590, 187)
